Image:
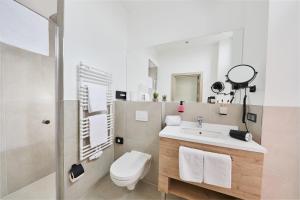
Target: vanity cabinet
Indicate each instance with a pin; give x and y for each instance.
(247, 168)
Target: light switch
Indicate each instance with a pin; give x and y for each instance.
(251, 117)
(141, 115)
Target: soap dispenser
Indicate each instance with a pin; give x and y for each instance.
(180, 107)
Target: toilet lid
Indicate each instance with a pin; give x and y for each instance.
(129, 165)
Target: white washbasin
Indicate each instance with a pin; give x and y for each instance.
(212, 134)
(199, 133)
(206, 130)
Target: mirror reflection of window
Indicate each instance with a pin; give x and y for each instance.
(23, 28)
(187, 87)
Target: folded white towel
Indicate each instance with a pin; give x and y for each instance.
(217, 169)
(173, 120)
(97, 97)
(191, 164)
(98, 129)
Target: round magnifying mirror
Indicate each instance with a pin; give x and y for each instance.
(241, 74)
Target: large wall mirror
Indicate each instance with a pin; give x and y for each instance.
(183, 68)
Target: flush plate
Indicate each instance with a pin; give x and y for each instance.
(141, 115)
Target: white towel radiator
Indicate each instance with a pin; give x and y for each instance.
(87, 74)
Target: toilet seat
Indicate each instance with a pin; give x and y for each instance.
(129, 166)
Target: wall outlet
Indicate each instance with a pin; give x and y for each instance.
(141, 115)
(252, 117)
(119, 140)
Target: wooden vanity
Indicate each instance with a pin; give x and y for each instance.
(247, 168)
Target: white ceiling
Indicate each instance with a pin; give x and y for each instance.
(45, 8)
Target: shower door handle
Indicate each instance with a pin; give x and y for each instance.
(46, 121)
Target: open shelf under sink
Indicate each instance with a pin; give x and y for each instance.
(192, 192)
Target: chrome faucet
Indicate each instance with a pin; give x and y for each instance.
(200, 121)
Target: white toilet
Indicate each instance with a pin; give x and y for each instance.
(131, 167)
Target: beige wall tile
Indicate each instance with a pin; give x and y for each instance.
(94, 170)
(281, 166)
(120, 124)
(140, 136)
(192, 110)
(27, 164)
(27, 99)
(234, 116)
(120, 116)
(3, 174)
(256, 128)
(210, 112)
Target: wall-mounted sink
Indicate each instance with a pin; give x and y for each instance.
(206, 129)
(208, 133)
(200, 133)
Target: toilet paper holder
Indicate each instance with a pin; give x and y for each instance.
(76, 172)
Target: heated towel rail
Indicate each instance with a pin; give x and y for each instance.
(88, 74)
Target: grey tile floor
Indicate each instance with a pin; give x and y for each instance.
(106, 190)
(42, 189)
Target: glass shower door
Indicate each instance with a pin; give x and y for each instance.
(27, 113)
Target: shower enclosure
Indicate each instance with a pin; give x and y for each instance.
(27, 104)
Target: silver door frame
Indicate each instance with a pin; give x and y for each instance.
(59, 99)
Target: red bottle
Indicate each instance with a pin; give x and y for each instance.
(180, 107)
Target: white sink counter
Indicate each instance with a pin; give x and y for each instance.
(221, 138)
